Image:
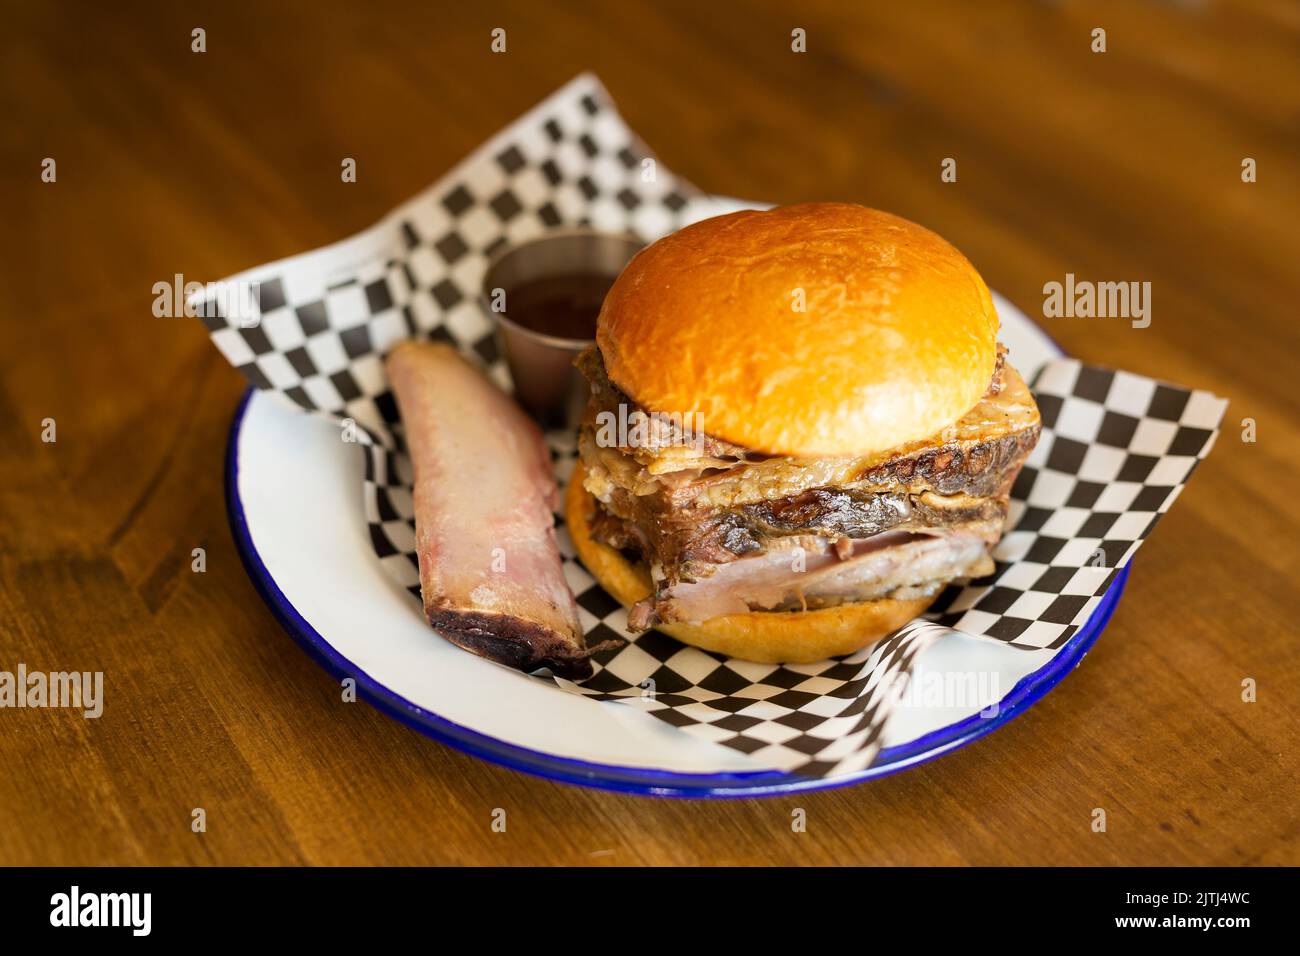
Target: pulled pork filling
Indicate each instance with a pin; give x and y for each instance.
(726, 530)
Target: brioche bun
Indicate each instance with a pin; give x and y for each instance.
(768, 637)
(896, 341)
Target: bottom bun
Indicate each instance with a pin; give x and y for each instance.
(768, 637)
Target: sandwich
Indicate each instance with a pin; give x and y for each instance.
(801, 429)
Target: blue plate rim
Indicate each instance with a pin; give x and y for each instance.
(635, 780)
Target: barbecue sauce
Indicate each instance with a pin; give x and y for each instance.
(563, 306)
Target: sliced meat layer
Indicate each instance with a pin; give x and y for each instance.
(806, 573)
(683, 541)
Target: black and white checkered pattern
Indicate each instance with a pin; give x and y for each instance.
(1115, 452)
(1116, 449)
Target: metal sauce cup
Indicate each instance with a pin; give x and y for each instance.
(546, 383)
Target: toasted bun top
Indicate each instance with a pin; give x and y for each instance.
(896, 338)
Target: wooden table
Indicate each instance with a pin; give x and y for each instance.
(1124, 165)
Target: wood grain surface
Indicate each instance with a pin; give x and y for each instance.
(1117, 166)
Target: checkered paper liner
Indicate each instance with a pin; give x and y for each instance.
(1115, 451)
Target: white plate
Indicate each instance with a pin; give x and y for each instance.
(294, 496)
